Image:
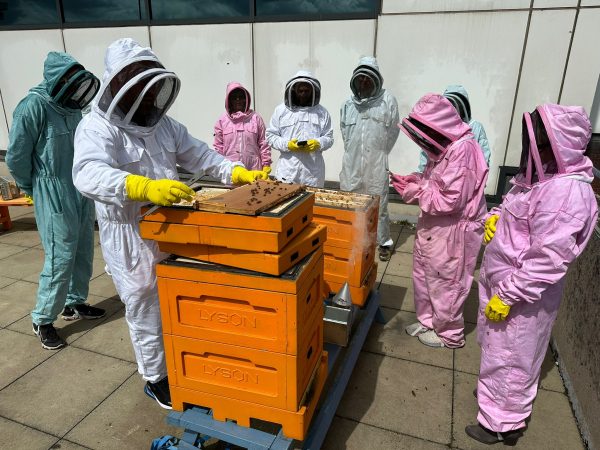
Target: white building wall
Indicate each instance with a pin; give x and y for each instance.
(541, 75)
(22, 55)
(421, 45)
(88, 45)
(583, 69)
(481, 51)
(205, 58)
(329, 49)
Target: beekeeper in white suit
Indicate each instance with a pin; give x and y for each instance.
(126, 155)
(301, 130)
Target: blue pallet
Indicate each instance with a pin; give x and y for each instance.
(199, 424)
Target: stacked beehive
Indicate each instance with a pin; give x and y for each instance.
(247, 344)
(349, 251)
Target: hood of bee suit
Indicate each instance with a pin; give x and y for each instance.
(136, 91)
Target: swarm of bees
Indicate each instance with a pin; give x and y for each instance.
(257, 189)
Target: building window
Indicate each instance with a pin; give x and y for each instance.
(307, 8)
(28, 12)
(190, 10)
(96, 11)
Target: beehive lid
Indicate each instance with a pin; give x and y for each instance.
(250, 199)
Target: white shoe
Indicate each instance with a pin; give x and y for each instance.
(431, 339)
(415, 329)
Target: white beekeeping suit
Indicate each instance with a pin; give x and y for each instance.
(369, 125)
(294, 121)
(127, 132)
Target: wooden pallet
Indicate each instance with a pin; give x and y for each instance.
(294, 423)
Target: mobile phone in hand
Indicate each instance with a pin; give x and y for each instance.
(302, 143)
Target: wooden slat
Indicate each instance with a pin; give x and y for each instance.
(250, 199)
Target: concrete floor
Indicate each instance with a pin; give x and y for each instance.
(402, 395)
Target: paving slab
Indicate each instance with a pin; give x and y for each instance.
(74, 329)
(467, 358)
(471, 308)
(63, 390)
(110, 338)
(391, 340)
(98, 267)
(19, 354)
(16, 301)
(7, 250)
(128, 418)
(397, 292)
(401, 396)
(405, 242)
(63, 444)
(103, 285)
(351, 435)
(23, 265)
(552, 425)
(550, 378)
(6, 281)
(16, 436)
(401, 264)
(22, 234)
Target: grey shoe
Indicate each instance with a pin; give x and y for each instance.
(431, 339)
(415, 329)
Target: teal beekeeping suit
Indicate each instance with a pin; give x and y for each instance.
(40, 158)
(459, 98)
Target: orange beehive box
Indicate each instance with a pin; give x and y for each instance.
(351, 219)
(270, 231)
(359, 293)
(294, 423)
(242, 308)
(243, 373)
(309, 239)
(344, 264)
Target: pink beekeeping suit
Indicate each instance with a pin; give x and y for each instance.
(545, 222)
(450, 193)
(240, 136)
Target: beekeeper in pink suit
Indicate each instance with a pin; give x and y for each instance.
(543, 224)
(450, 227)
(240, 131)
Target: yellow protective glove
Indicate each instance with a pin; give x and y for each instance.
(159, 192)
(312, 145)
(490, 228)
(240, 175)
(293, 146)
(267, 169)
(29, 199)
(496, 310)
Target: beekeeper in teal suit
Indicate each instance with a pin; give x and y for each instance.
(40, 158)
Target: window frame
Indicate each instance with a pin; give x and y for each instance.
(149, 21)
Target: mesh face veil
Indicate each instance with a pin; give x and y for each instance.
(432, 142)
(537, 152)
(78, 91)
(140, 94)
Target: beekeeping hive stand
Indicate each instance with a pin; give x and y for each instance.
(199, 424)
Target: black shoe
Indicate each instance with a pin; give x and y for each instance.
(82, 311)
(485, 436)
(48, 336)
(385, 253)
(160, 392)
